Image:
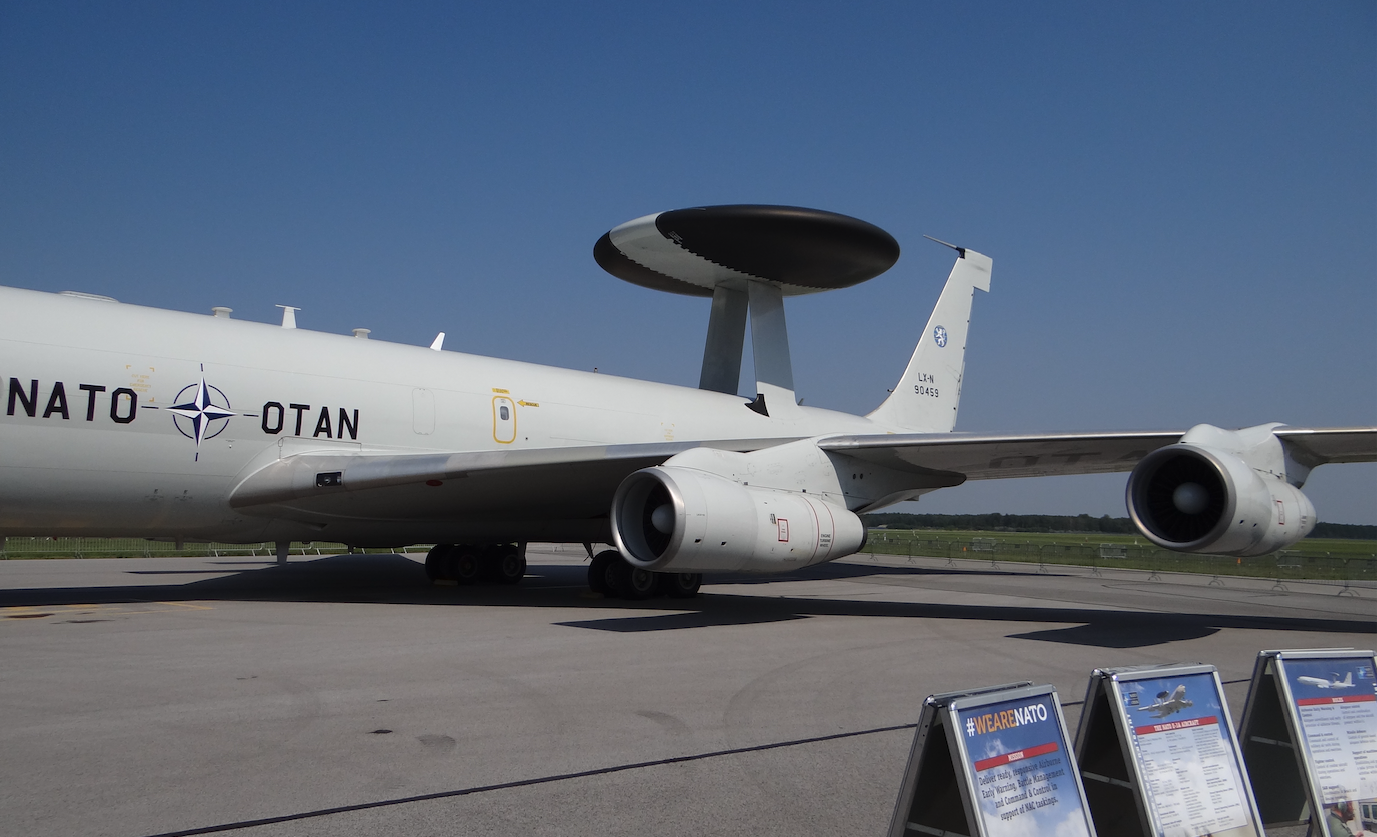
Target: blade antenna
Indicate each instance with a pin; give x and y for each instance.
(961, 250)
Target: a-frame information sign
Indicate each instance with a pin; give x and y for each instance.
(991, 763)
(1310, 739)
(1158, 756)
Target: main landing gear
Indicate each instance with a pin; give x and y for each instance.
(502, 563)
(612, 575)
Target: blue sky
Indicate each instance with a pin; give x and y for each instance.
(1180, 199)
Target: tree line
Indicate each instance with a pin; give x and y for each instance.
(995, 522)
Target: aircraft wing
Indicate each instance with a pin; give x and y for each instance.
(951, 458)
(981, 457)
(317, 475)
(1319, 445)
(319, 479)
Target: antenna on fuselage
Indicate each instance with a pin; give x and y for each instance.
(747, 258)
(288, 316)
(961, 250)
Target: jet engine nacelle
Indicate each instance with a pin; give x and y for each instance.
(676, 519)
(1195, 498)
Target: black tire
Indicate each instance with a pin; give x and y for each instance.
(467, 564)
(681, 585)
(508, 567)
(599, 572)
(436, 560)
(632, 582)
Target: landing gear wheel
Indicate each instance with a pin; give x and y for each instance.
(508, 567)
(600, 572)
(632, 582)
(436, 559)
(466, 567)
(681, 585)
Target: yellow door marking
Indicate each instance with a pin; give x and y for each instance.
(503, 430)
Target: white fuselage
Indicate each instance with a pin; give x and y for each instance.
(88, 445)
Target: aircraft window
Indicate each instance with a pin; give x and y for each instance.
(504, 413)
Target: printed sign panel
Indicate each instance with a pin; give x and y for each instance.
(1021, 769)
(1335, 702)
(1186, 756)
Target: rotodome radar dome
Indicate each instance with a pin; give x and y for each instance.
(692, 251)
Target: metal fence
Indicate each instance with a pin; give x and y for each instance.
(1286, 564)
(1359, 570)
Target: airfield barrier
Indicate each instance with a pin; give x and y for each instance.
(1351, 562)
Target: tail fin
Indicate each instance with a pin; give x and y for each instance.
(1348, 679)
(928, 394)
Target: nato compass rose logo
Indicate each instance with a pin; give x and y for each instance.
(939, 334)
(201, 411)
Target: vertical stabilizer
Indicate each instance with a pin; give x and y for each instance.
(927, 396)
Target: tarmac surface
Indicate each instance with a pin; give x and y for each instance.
(344, 695)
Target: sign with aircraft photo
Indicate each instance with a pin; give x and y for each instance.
(1335, 703)
(1186, 756)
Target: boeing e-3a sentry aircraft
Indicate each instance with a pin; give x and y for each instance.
(126, 421)
(1333, 683)
(1168, 704)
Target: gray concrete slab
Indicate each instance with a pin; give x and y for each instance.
(343, 695)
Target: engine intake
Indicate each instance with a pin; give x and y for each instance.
(676, 519)
(1192, 498)
(1185, 497)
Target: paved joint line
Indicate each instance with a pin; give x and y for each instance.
(544, 780)
(521, 783)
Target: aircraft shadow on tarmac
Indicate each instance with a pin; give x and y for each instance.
(399, 580)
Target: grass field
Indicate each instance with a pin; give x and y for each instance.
(1339, 560)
